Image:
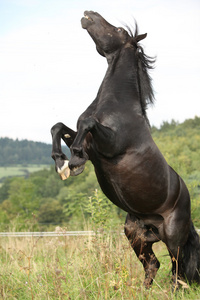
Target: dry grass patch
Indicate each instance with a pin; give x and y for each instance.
(94, 267)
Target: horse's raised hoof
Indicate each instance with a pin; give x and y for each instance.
(64, 171)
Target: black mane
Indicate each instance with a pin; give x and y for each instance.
(145, 63)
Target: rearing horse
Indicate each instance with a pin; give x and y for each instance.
(114, 134)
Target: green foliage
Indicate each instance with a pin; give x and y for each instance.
(79, 200)
(51, 211)
(101, 210)
(21, 202)
(51, 200)
(4, 189)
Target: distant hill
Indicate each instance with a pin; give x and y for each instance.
(14, 152)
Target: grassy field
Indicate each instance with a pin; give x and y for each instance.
(20, 170)
(95, 267)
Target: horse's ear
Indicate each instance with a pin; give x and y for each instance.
(140, 37)
(100, 51)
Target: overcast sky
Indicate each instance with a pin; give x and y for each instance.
(50, 70)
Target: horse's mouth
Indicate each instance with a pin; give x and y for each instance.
(77, 170)
(87, 20)
(86, 16)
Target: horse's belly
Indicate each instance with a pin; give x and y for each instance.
(135, 186)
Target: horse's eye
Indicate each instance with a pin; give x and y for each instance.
(119, 29)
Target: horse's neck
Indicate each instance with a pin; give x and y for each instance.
(121, 77)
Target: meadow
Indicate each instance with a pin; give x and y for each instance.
(20, 170)
(88, 267)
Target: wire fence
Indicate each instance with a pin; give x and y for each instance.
(52, 233)
(46, 234)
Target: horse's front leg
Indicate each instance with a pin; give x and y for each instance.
(58, 132)
(102, 136)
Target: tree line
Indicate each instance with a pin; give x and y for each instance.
(14, 152)
(25, 152)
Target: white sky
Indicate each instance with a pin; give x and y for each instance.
(50, 70)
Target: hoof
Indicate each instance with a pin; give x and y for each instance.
(148, 283)
(64, 171)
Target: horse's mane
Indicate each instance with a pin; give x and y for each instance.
(145, 63)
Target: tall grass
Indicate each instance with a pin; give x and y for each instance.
(95, 267)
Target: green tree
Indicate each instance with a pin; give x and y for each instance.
(50, 211)
(21, 200)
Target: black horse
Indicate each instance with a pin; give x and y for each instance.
(114, 134)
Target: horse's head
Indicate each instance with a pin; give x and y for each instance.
(107, 37)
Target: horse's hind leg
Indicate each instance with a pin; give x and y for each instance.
(174, 233)
(142, 239)
(174, 242)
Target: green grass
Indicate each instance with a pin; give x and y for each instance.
(95, 267)
(20, 170)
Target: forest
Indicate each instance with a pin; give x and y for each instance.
(23, 152)
(42, 200)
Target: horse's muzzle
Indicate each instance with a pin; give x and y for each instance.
(77, 170)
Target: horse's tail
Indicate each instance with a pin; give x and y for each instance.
(191, 256)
